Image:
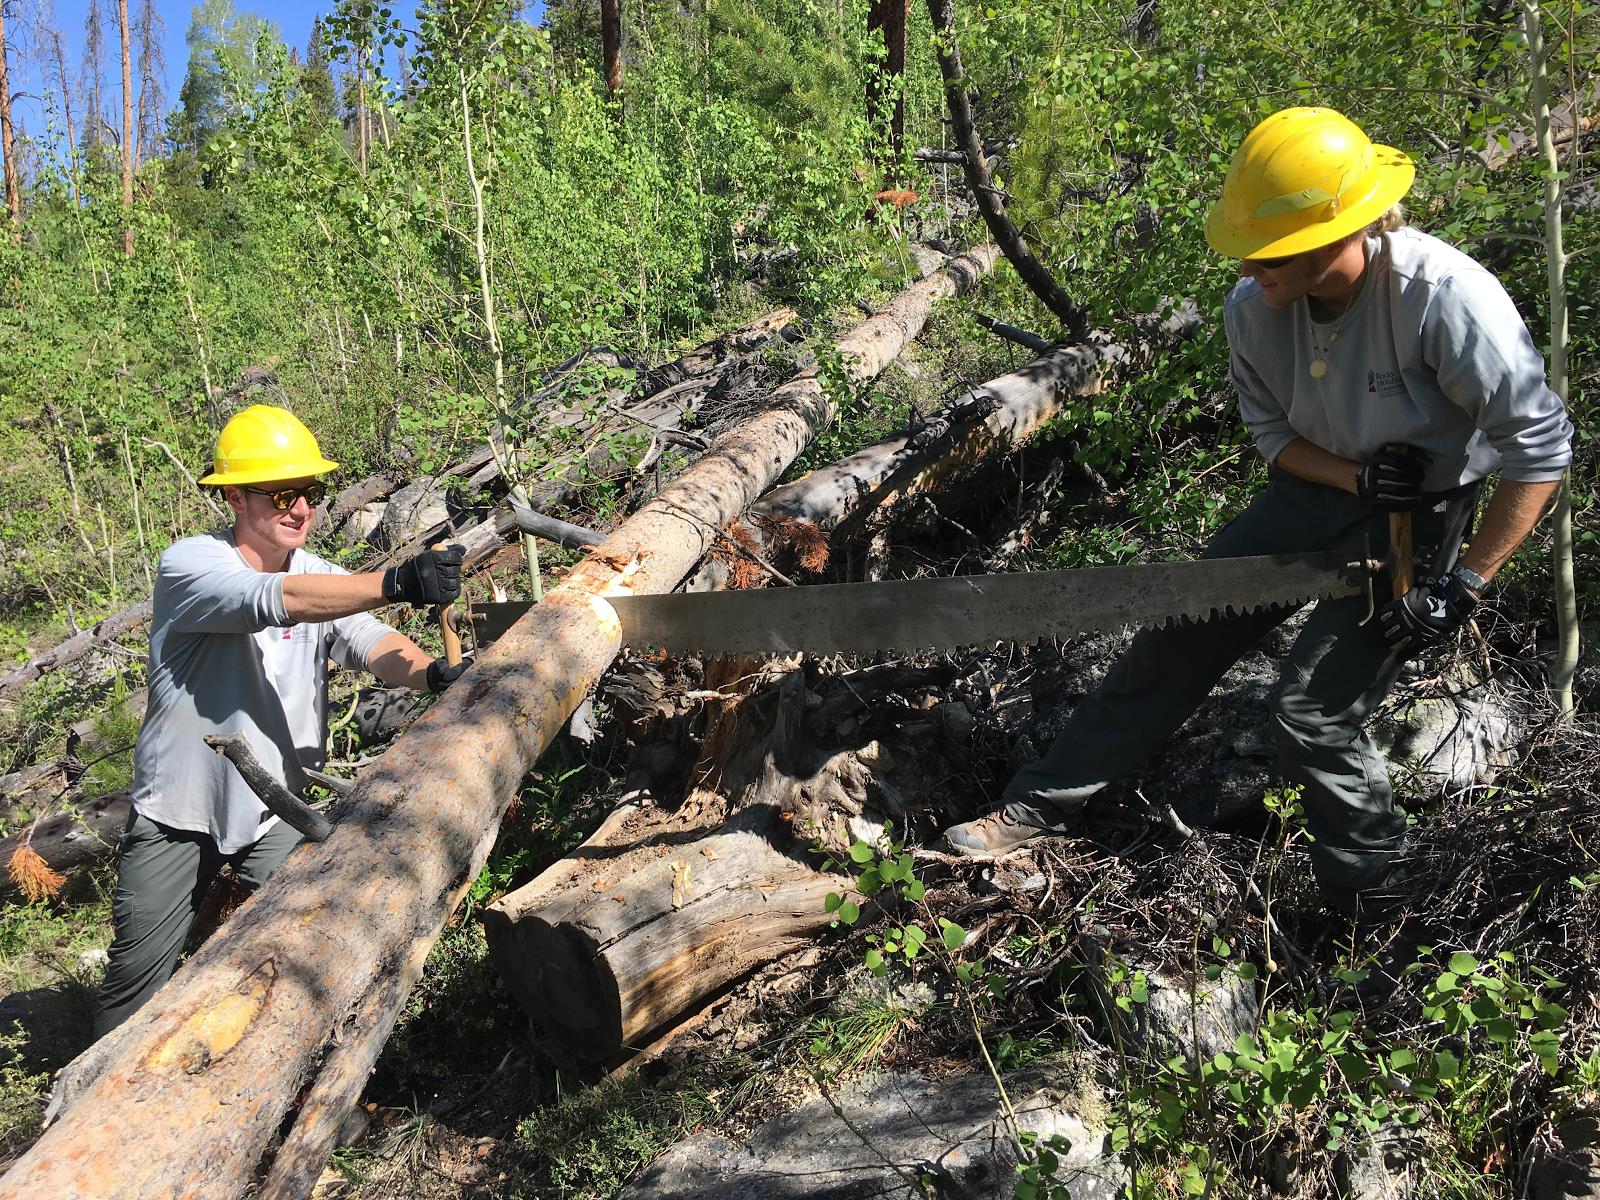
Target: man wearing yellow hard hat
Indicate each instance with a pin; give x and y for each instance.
(1379, 370)
(244, 622)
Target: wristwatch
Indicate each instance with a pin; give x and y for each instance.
(1469, 578)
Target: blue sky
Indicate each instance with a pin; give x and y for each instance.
(292, 17)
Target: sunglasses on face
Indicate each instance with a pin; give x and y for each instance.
(1273, 264)
(283, 498)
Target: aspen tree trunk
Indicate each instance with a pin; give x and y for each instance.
(1566, 592)
(8, 141)
(127, 125)
(361, 107)
(66, 110)
(611, 43)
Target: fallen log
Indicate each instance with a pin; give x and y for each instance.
(991, 419)
(303, 984)
(651, 919)
(75, 647)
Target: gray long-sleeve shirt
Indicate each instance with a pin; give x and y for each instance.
(1431, 352)
(226, 658)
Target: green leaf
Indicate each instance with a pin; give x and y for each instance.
(832, 903)
(849, 912)
(860, 852)
(1463, 963)
(954, 936)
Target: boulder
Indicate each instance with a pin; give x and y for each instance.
(1571, 1170)
(1453, 742)
(883, 1136)
(1382, 1167)
(413, 510)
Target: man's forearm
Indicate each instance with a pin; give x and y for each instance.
(1309, 461)
(317, 597)
(400, 662)
(1514, 509)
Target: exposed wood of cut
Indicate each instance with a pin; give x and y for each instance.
(299, 987)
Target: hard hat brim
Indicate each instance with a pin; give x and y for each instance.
(276, 474)
(1394, 177)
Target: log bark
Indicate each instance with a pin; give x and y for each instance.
(991, 205)
(301, 983)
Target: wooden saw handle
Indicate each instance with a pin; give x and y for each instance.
(1401, 548)
(446, 615)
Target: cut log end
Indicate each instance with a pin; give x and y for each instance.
(559, 978)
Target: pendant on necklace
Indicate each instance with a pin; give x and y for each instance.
(1318, 368)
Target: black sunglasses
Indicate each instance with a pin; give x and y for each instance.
(283, 498)
(1273, 264)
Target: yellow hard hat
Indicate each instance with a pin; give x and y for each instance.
(265, 444)
(1303, 178)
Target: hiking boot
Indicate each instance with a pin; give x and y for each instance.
(998, 833)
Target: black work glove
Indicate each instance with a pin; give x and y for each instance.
(432, 577)
(441, 674)
(1392, 481)
(1431, 610)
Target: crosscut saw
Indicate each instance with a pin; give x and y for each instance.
(967, 610)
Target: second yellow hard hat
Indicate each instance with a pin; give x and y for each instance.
(265, 444)
(1303, 178)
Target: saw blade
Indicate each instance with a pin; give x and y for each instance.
(942, 614)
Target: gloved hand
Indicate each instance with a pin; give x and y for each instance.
(1392, 481)
(1431, 610)
(441, 674)
(432, 577)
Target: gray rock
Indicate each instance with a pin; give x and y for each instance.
(361, 523)
(414, 509)
(878, 1137)
(1198, 1021)
(1451, 743)
(1572, 1170)
(1383, 1167)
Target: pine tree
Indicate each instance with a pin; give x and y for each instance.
(93, 66)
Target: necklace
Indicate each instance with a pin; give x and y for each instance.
(1319, 364)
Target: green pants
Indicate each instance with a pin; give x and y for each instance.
(1337, 673)
(163, 874)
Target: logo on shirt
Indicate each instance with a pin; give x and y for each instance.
(1385, 383)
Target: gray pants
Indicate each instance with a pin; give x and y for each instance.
(1336, 674)
(163, 874)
